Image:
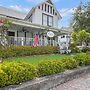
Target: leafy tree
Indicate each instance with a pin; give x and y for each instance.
(75, 37)
(4, 25)
(81, 18)
(82, 37)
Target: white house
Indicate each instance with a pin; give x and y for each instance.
(42, 18)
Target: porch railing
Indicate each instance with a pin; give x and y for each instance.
(29, 41)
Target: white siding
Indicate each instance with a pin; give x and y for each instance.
(37, 17)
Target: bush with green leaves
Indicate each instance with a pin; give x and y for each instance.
(15, 51)
(69, 63)
(88, 53)
(3, 78)
(18, 72)
(74, 49)
(82, 59)
(15, 73)
(49, 67)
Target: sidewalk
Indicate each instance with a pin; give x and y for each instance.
(82, 83)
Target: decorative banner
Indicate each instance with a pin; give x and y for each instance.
(36, 40)
(1, 22)
(50, 34)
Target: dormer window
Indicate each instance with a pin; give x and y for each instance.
(38, 7)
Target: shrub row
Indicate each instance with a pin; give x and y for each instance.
(50, 67)
(15, 73)
(82, 59)
(53, 67)
(18, 72)
(15, 51)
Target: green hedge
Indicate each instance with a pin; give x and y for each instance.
(18, 72)
(70, 63)
(82, 59)
(15, 51)
(49, 67)
(15, 73)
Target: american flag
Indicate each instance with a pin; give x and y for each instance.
(36, 40)
(1, 22)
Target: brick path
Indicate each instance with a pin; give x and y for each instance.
(82, 83)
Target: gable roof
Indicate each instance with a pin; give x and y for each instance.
(11, 13)
(49, 1)
(33, 9)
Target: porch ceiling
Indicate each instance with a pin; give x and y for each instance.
(34, 26)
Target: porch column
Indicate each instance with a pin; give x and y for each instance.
(17, 37)
(53, 41)
(45, 41)
(56, 41)
(25, 34)
(32, 38)
(41, 43)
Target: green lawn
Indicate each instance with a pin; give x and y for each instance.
(36, 59)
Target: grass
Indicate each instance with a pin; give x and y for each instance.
(36, 59)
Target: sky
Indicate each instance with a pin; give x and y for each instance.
(65, 7)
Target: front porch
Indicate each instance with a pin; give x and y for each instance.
(23, 33)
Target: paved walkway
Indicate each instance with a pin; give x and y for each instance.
(82, 83)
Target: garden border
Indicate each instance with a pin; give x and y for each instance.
(48, 82)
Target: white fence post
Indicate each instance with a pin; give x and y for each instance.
(22, 41)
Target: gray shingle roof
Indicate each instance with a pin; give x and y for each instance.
(11, 13)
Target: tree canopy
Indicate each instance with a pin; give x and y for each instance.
(82, 37)
(81, 18)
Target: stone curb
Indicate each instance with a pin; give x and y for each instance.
(48, 82)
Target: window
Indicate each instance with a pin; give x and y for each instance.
(44, 20)
(47, 20)
(11, 33)
(56, 14)
(48, 8)
(50, 21)
(45, 7)
(51, 10)
(42, 7)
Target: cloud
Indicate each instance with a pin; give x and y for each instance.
(20, 8)
(66, 11)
